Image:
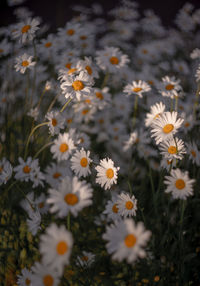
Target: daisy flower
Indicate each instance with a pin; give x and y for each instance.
(80, 163)
(25, 31)
(88, 66)
(44, 275)
(195, 54)
(155, 112)
(106, 173)
(179, 184)
(137, 88)
(126, 240)
(193, 152)
(86, 259)
(169, 87)
(55, 247)
(34, 221)
(55, 173)
(172, 148)
(56, 122)
(23, 63)
(197, 74)
(34, 113)
(40, 202)
(5, 171)
(72, 196)
(167, 164)
(165, 126)
(62, 147)
(127, 205)
(25, 278)
(76, 86)
(112, 209)
(111, 59)
(25, 169)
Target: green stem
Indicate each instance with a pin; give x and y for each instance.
(68, 221)
(53, 102)
(29, 138)
(41, 149)
(196, 101)
(105, 80)
(63, 108)
(19, 189)
(130, 189)
(172, 106)
(176, 103)
(41, 97)
(135, 110)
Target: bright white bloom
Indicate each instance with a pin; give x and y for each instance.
(137, 88)
(112, 210)
(23, 63)
(165, 126)
(44, 275)
(34, 221)
(126, 240)
(80, 163)
(155, 112)
(106, 173)
(127, 205)
(55, 247)
(111, 59)
(25, 31)
(62, 147)
(179, 184)
(5, 171)
(76, 86)
(25, 278)
(86, 259)
(172, 148)
(170, 87)
(56, 122)
(72, 196)
(193, 152)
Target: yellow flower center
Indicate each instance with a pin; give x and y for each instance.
(168, 128)
(99, 95)
(25, 28)
(68, 65)
(26, 169)
(187, 124)
(71, 199)
(72, 71)
(48, 44)
(84, 258)
(101, 121)
(83, 37)
(28, 281)
(87, 101)
(63, 147)
(41, 205)
(115, 208)
(62, 247)
(156, 116)
(180, 184)
(114, 60)
(109, 173)
(88, 69)
(156, 278)
(129, 205)
(54, 122)
(130, 240)
(150, 82)
(25, 63)
(48, 280)
(169, 86)
(77, 85)
(1, 51)
(172, 150)
(145, 51)
(1, 169)
(56, 175)
(85, 111)
(137, 89)
(193, 153)
(70, 32)
(84, 162)
(69, 120)
(169, 162)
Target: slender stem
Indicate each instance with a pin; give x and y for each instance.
(18, 188)
(63, 108)
(53, 102)
(172, 106)
(68, 221)
(41, 97)
(135, 109)
(196, 101)
(130, 189)
(41, 149)
(29, 138)
(176, 103)
(105, 80)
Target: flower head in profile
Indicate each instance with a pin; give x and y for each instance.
(156, 110)
(106, 173)
(137, 88)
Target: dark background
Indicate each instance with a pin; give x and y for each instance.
(57, 12)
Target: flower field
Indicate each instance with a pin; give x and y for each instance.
(99, 148)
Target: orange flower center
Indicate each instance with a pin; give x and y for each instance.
(180, 184)
(169, 86)
(1, 50)
(48, 44)
(172, 150)
(187, 124)
(84, 162)
(41, 205)
(85, 111)
(193, 153)
(25, 63)
(69, 120)
(28, 281)
(109, 173)
(71, 199)
(168, 128)
(25, 28)
(114, 60)
(137, 89)
(48, 280)
(54, 122)
(88, 69)
(1, 169)
(83, 37)
(72, 71)
(156, 116)
(63, 147)
(56, 175)
(115, 208)
(68, 65)
(70, 32)
(129, 205)
(26, 169)
(130, 240)
(62, 247)
(99, 95)
(84, 258)
(145, 51)
(77, 85)
(87, 101)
